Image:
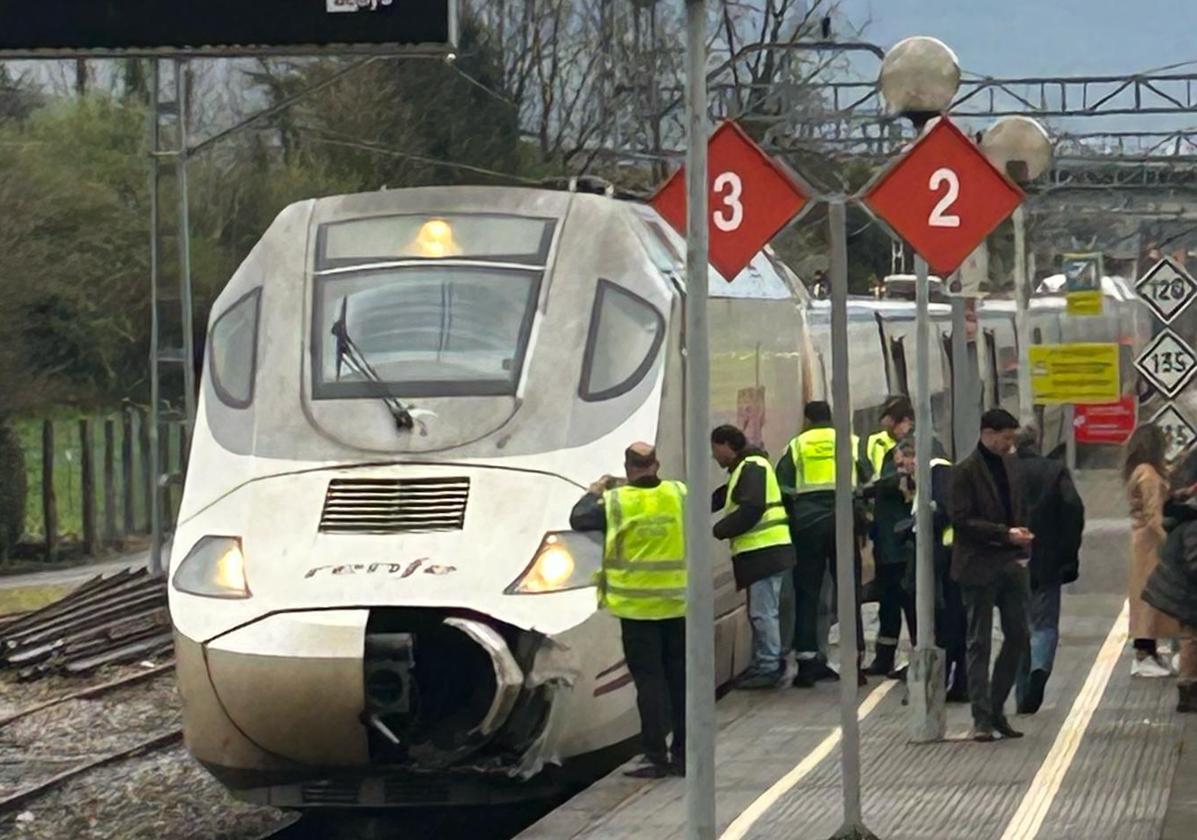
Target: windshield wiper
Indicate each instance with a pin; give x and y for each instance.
(350, 355)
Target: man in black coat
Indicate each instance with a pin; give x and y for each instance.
(989, 561)
(1056, 516)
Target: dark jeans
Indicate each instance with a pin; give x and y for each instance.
(1008, 593)
(895, 601)
(656, 655)
(815, 547)
(1044, 616)
(952, 633)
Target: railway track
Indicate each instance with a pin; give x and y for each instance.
(32, 792)
(147, 745)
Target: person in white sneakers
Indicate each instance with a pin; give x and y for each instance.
(1146, 478)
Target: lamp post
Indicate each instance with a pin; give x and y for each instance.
(1021, 148)
(918, 79)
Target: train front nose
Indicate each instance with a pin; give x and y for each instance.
(424, 689)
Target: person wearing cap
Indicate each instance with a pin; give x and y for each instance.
(642, 582)
(807, 474)
(753, 520)
(990, 554)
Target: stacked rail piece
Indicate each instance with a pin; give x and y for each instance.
(106, 621)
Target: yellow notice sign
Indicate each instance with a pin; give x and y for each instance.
(1084, 303)
(1080, 374)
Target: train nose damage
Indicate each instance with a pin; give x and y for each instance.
(449, 697)
(447, 691)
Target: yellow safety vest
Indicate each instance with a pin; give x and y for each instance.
(813, 453)
(949, 534)
(644, 551)
(773, 528)
(877, 447)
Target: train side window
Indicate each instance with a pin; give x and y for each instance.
(897, 351)
(995, 379)
(233, 352)
(626, 332)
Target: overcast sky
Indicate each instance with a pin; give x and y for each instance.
(1042, 37)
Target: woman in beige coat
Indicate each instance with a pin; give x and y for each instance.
(1146, 490)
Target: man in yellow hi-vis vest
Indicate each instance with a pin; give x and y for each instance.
(754, 521)
(643, 583)
(807, 473)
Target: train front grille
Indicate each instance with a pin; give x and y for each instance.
(394, 505)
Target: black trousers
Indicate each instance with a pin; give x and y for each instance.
(656, 656)
(815, 548)
(952, 632)
(1009, 594)
(895, 601)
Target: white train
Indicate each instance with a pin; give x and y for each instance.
(376, 598)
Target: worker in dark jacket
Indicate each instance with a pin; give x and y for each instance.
(1172, 586)
(1056, 516)
(807, 474)
(951, 625)
(892, 555)
(754, 522)
(990, 554)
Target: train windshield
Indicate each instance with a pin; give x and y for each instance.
(446, 330)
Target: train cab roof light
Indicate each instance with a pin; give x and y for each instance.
(214, 568)
(435, 240)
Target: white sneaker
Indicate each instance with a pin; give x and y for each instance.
(1176, 663)
(1149, 668)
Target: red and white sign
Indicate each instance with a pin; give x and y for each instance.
(943, 197)
(1108, 423)
(751, 197)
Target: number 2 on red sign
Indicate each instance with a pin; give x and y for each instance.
(940, 217)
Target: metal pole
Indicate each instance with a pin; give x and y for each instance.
(700, 592)
(845, 538)
(155, 499)
(1022, 319)
(185, 251)
(1070, 437)
(926, 678)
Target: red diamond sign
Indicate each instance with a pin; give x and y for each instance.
(751, 197)
(943, 197)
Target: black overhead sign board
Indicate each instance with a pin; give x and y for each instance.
(44, 28)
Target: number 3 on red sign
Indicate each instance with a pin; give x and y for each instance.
(731, 216)
(940, 217)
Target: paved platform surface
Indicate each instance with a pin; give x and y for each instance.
(1106, 758)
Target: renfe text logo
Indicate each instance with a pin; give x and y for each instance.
(356, 5)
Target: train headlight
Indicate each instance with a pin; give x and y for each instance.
(214, 568)
(565, 560)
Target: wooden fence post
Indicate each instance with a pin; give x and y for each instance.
(168, 515)
(49, 503)
(148, 481)
(109, 480)
(128, 478)
(87, 455)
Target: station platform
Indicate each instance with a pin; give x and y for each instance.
(1105, 758)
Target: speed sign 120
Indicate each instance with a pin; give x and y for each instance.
(751, 199)
(1168, 363)
(1168, 289)
(943, 196)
